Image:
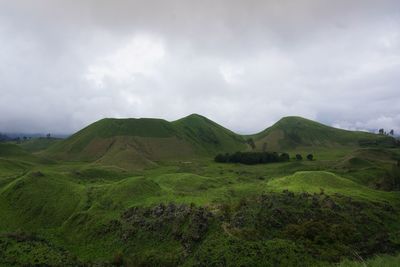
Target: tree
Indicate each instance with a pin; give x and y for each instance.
(299, 157)
(381, 131)
(392, 132)
(310, 156)
(264, 147)
(221, 158)
(284, 157)
(48, 136)
(250, 141)
(252, 157)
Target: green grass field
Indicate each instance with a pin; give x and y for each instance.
(63, 203)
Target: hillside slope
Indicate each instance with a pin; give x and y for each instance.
(38, 144)
(208, 136)
(141, 142)
(292, 132)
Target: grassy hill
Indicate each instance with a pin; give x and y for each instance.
(141, 142)
(132, 143)
(38, 144)
(98, 206)
(11, 151)
(293, 132)
(329, 183)
(208, 136)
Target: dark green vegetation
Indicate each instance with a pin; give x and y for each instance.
(147, 192)
(251, 158)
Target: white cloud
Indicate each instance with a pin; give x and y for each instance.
(141, 55)
(231, 73)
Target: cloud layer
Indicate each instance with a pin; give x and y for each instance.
(244, 64)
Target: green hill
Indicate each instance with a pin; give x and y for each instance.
(38, 144)
(10, 151)
(38, 199)
(330, 183)
(142, 142)
(292, 132)
(132, 143)
(97, 208)
(208, 136)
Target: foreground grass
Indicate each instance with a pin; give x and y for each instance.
(379, 261)
(74, 209)
(329, 183)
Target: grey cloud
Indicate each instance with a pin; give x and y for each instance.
(245, 64)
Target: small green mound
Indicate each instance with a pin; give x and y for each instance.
(359, 162)
(11, 150)
(130, 190)
(38, 144)
(39, 200)
(15, 152)
(100, 173)
(186, 182)
(11, 168)
(330, 183)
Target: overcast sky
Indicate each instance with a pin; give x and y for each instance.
(244, 64)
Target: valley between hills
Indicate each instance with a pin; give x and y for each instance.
(149, 192)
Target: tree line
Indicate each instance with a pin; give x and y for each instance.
(252, 158)
(383, 132)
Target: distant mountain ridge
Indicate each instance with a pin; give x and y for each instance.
(145, 141)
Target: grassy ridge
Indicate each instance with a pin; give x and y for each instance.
(329, 183)
(208, 136)
(291, 132)
(185, 209)
(145, 141)
(38, 144)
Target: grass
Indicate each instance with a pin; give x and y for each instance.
(379, 261)
(67, 203)
(146, 141)
(39, 199)
(35, 145)
(329, 183)
(293, 132)
(72, 210)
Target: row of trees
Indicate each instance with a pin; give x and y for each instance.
(383, 132)
(256, 157)
(18, 139)
(300, 157)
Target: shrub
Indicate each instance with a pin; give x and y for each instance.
(252, 157)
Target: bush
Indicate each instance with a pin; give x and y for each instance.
(299, 157)
(118, 259)
(252, 157)
(310, 156)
